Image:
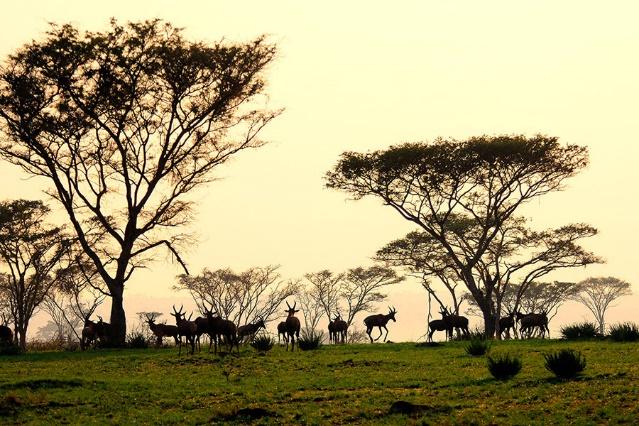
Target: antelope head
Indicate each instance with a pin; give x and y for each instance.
(391, 313)
(291, 311)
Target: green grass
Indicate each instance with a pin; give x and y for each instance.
(336, 384)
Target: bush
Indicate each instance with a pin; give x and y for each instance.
(10, 349)
(504, 367)
(137, 340)
(566, 363)
(624, 332)
(584, 330)
(478, 347)
(476, 334)
(310, 340)
(263, 342)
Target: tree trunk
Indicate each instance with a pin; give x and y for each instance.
(22, 335)
(118, 316)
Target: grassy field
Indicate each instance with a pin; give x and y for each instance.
(345, 384)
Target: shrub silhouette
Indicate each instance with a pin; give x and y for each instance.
(624, 332)
(504, 367)
(584, 330)
(310, 340)
(263, 343)
(566, 363)
(477, 347)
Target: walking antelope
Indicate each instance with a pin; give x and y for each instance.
(186, 328)
(292, 325)
(506, 324)
(249, 330)
(436, 325)
(456, 322)
(379, 321)
(281, 331)
(160, 331)
(527, 323)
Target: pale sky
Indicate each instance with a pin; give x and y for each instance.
(356, 76)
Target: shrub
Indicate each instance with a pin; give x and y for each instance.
(584, 330)
(310, 340)
(476, 334)
(504, 367)
(263, 342)
(566, 363)
(478, 347)
(10, 349)
(137, 340)
(624, 332)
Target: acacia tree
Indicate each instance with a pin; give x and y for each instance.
(464, 195)
(124, 124)
(242, 298)
(31, 250)
(324, 287)
(597, 294)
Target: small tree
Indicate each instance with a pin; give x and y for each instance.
(597, 294)
(244, 297)
(124, 124)
(325, 287)
(31, 250)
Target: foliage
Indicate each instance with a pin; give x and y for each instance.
(504, 367)
(598, 294)
(477, 347)
(124, 124)
(137, 340)
(310, 340)
(624, 332)
(565, 363)
(584, 330)
(263, 342)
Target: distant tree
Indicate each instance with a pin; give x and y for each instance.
(597, 294)
(32, 251)
(241, 297)
(311, 309)
(325, 287)
(464, 196)
(125, 124)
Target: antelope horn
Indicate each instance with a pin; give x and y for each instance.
(289, 306)
(294, 304)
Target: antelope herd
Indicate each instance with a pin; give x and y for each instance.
(223, 331)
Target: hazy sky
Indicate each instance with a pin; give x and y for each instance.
(355, 76)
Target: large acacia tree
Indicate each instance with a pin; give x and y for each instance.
(464, 195)
(124, 124)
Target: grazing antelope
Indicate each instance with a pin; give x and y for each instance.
(506, 324)
(436, 325)
(281, 331)
(528, 322)
(160, 331)
(340, 328)
(456, 322)
(6, 335)
(292, 325)
(379, 321)
(222, 328)
(186, 328)
(249, 330)
(103, 330)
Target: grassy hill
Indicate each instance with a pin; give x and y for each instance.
(336, 384)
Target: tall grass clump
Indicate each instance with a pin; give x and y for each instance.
(310, 340)
(624, 332)
(137, 340)
(263, 343)
(584, 330)
(566, 363)
(504, 367)
(478, 347)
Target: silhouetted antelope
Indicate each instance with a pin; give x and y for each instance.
(456, 322)
(104, 330)
(186, 328)
(437, 325)
(281, 331)
(160, 331)
(222, 328)
(527, 323)
(249, 330)
(340, 328)
(380, 321)
(292, 325)
(506, 324)
(89, 332)
(6, 335)
(204, 327)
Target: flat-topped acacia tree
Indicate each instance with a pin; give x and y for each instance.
(124, 124)
(463, 196)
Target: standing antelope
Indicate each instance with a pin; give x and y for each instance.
(528, 322)
(249, 330)
(222, 328)
(379, 321)
(436, 325)
(292, 325)
(6, 335)
(204, 327)
(456, 322)
(103, 330)
(332, 337)
(506, 324)
(186, 328)
(162, 330)
(89, 332)
(281, 331)
(340, 328)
